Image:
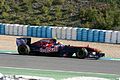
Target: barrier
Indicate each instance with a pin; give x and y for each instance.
(108, 36)
(85, 34)
(118, 39)
(34, 31)
(59, 31)
(15, 29)
(64, 33)
(54, 32)
(74, 33)
(49, 32)
(6, 29)
(24, 29)
(102, 35)
(29, 31)
(90, 35)
(2, 28)
(114, 37)
(96, 35)
(39, 31)
(11, 29)
(69, 33)
(79, 34)
(20, 30)
(44, 32)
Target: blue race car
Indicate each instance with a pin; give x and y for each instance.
(50, 47)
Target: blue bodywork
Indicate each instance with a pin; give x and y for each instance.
(53, 48)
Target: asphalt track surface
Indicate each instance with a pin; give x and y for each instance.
(57, 63)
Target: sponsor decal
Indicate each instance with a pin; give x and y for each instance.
(49, 49)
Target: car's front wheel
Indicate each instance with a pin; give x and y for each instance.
(23, 49)
(81, 53)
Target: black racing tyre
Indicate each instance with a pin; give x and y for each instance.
(81, 53)
(23, 49)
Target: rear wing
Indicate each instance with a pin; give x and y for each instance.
(23, 41)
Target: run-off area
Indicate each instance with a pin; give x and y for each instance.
(38, 74)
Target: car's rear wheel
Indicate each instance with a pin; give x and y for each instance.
(81, 53)
(23, 49)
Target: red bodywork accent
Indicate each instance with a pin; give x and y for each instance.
(47, 43)
(41, 42)
(88, 48)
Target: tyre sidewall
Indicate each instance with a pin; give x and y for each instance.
(23, 49)
(81, 53)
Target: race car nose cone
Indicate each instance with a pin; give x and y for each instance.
(102, 54)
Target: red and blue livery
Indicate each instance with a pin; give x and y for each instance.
(50, 47)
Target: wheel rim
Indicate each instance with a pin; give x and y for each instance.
(23, 50)
(81, 53)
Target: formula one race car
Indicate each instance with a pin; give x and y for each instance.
(50, 47)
